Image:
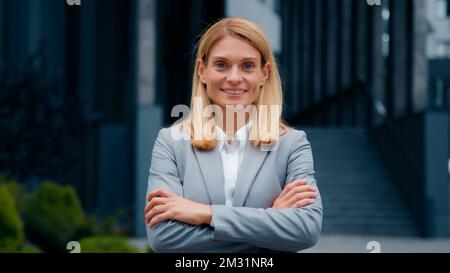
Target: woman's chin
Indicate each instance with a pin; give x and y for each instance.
(234, 103)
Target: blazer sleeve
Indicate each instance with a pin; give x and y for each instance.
(171, 235)
(291, 229)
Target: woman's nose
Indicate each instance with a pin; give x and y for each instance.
(234, 76)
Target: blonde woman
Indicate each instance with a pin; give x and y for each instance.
(232, 176)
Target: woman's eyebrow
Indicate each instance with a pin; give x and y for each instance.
(218, 57)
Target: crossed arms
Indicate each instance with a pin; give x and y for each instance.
(176, 224)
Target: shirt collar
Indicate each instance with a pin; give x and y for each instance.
(239, 141)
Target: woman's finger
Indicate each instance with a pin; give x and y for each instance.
(155, 202)
(154, 211)
(301, 196)
(159, 193)
(299, 189)
(158, 219)
(291, 186)
(303, 203)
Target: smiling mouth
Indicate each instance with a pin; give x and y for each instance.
(234, 92)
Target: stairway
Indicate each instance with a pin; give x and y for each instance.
(358, 195)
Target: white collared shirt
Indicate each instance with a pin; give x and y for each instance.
(232, 155)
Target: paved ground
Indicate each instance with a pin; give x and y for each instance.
(364, 244)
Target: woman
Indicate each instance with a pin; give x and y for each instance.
(236, 179)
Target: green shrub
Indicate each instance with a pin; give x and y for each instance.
(5, 179)
(53, 216)
(11, 226)
(107, 245)
(29, 249)
(18, 192)
(93, 227)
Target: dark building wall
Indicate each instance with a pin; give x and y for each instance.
(178, 32)
(332, 56)
(87, 49)
(33, 37)
(97, 65)
(325, 53)
(25, 25)
(417, 152)
(439, 83)
(403, 150)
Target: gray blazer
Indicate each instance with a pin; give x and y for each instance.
(251, 225)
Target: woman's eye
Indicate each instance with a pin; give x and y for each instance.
(249, 66)
(220, 65)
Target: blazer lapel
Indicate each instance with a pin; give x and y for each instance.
(251, 164)
(210, 164)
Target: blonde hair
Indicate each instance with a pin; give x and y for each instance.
(270, 95)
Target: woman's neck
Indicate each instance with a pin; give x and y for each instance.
(232, 122)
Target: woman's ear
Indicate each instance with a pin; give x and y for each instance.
(266, 73)
(201, 71)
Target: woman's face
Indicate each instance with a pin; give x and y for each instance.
(233, 74)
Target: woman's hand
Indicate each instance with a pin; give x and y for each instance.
(165, 205)
(295, 195)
